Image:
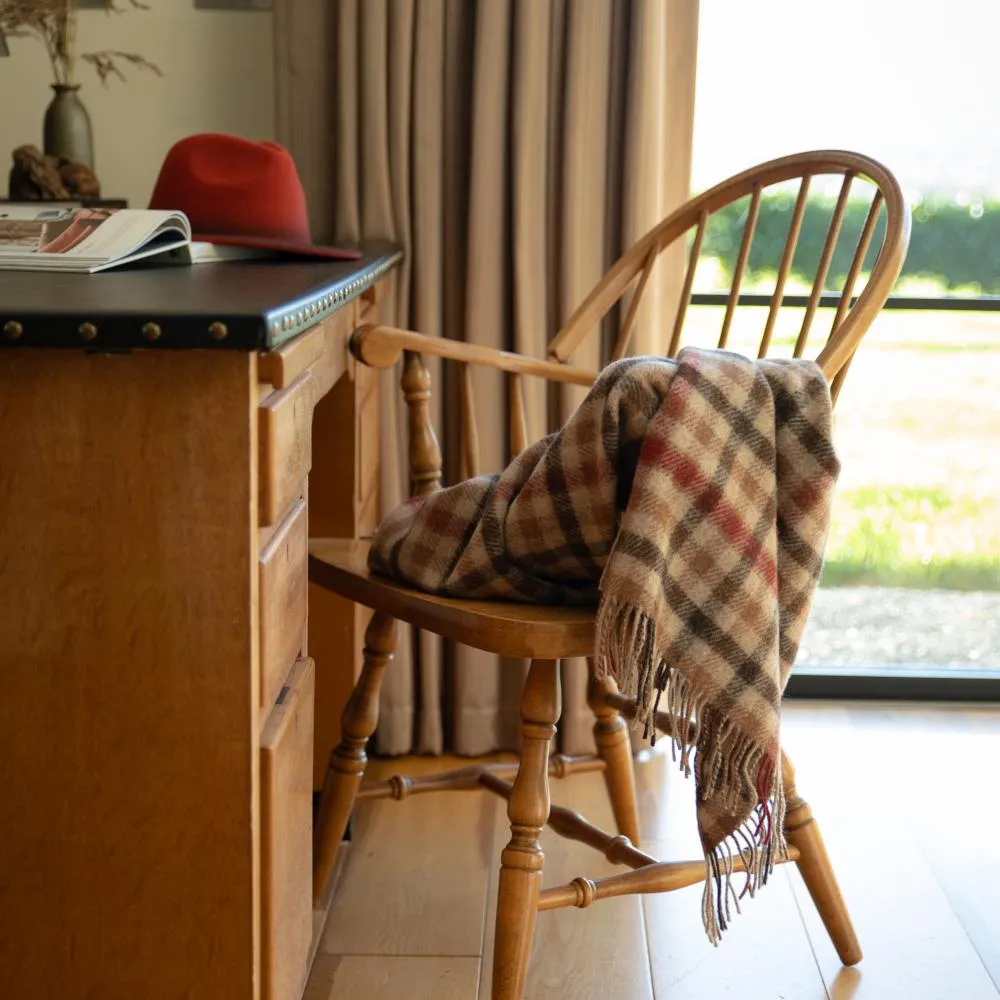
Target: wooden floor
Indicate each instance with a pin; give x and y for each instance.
(908, 801)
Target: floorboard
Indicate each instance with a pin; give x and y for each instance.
(414, 883)
(903, 795)
(874, 777)
(579, 953)
(765, 953)
(393, 977)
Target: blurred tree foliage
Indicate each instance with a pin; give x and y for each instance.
(956, 245)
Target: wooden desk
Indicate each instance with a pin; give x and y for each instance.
(161, 706)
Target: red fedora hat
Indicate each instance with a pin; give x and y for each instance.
(239, 193)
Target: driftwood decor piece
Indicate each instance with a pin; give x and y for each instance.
(37, 177)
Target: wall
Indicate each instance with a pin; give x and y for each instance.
(218, 76)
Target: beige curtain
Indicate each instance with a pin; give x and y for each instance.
(514, 150)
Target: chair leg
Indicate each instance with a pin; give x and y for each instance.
(802, 831)
(611, 733)
(528, 810)
(347, 762)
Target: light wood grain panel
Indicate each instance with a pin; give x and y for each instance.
(283, 601)
(381, 977)
(437, 907)
(286, 838)
(592, 954)
(128, 573)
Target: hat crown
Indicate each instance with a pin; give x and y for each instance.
(233, 187)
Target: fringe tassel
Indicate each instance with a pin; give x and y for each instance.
(729, 764)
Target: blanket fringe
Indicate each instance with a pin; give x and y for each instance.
(720, 897)
(729, 763)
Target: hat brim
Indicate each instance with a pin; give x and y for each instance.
(290, 247)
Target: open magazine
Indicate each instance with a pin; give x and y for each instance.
(51, 237)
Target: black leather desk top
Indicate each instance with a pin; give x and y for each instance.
(259, 304)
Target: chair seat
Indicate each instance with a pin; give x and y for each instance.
(518, 630)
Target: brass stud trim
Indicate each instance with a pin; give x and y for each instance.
(12, 330)
(88, 331)
(294, 321)
(218, 331)
(151, 331)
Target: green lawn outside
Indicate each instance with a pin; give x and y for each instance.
(917, 428)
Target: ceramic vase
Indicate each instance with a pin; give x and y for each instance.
(67, 126)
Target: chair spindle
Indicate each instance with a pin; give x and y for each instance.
(425, 453)
(741, 263)
(470, 434)
(864, 242)
(625, 333)
(675, 339)
(823, 268)
(518, 417)
(791, 242)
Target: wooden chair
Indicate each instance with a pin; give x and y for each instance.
(545, 634)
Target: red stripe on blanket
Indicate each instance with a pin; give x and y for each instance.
(710, 502)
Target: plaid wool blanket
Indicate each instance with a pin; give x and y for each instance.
(689, 500)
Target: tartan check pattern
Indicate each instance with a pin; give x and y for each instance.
(689, 500)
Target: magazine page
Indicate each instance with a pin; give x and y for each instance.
(40, 237)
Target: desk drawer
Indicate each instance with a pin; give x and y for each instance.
(285, 445)
(284, 595)
(282, 366)
(286, 763)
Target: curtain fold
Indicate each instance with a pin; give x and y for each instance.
(514, 150)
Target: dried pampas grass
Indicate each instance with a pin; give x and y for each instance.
(53, 22)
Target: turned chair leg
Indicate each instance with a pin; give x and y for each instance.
(802, 831)
(528, 810)
(614, 744)
(347, 762)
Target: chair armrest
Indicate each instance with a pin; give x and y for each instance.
(382, 347)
